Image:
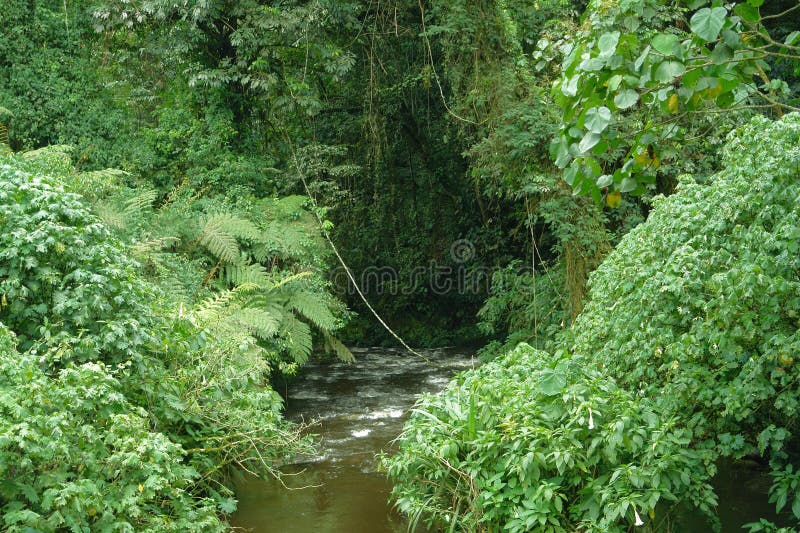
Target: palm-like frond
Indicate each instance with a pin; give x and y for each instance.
(217, 238)
(332, 344)
(258, 322)
(57, 151)
(139, 203)
(297, 335)
(313, 308)
(247, 274)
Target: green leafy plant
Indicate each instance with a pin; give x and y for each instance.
(122, 409)
(639, 77)
(685, 347)
(536, 442)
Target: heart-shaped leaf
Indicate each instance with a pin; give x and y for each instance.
(626, 98)
(597, 119)
(666, 43)
(706, 23)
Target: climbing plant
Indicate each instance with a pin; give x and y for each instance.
(642, 80)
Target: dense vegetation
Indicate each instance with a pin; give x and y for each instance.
(613, 184)
(683, 354)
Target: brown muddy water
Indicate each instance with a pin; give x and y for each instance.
(359, 409)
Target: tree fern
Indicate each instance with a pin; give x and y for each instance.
(97, 183)
(247, 274)
(332, 344)
(5, 144)
(217, 238)
(282, 238)
(4, 138)
(239, 227)
(297, 335)
(258, 322)
(313, 308)
(54, 151)
(142, 201)
(110, 216)
(211, 309)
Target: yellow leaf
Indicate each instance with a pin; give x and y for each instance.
(642, 158)
(713, 92)
(613, 199)
(656, 162)
(672, 103)
(141, 487)
(652, 514)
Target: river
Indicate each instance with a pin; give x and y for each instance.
(357, 410)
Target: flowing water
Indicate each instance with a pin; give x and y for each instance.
(360, 408)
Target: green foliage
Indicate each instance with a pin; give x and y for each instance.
(52, 82)
(75, 453)
(700, 303)
(534, 442)
(124, 409)
(685, 348)
(639, 76)
(523, 307)
(62, 275)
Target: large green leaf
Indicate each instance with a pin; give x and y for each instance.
(669, 70)
(608, 43)
(708, 22)
(597, 119)
(666, 43)
(626, 98)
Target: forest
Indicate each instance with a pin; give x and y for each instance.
(203, 201)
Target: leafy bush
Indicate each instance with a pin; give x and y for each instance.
(684, 352)
(532, 441)
(700, 305)
(62, 276)
(74, 452)
(122, 410)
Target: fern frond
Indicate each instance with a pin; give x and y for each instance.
(154, 245)
(239, 227)
(287, 207)
(298, 339)
(332, 344)
(285, 239)
(106, 174)
(139, 203)
(312, 307)
(289, 279)
(97, 183)
(217, 239)
(270, 301)
(242, 228)
(247, 274)
(59, 151)
(259, 323)
(110, 216)
(4, 134)
(210, 309)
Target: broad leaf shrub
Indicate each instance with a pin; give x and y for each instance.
(685, 352)
(537, 442)
(62, 275)
(699, 306)
(119, 411)
(74, 453)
